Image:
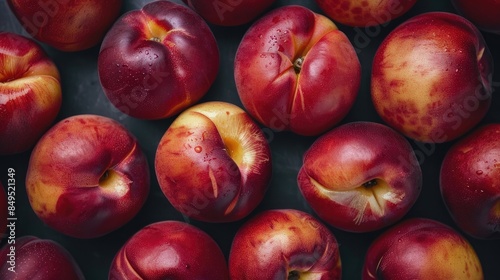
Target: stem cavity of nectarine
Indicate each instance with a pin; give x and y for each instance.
(370, 183)
(112, 181)
(155, 32)
(104, 177)
(297, 64)
(293, 275)
(234, 149)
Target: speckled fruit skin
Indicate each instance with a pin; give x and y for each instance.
(360, 177)
(30, 93)
(277, 244)
(485, 14)
(295, 70)
(423, 249)
(470, 182)
(213, 163)
(364, 13)
(87, 176)
(431, 77)
(156, 61)
(43, 258)
(169, 250)
(229, 12)
(67, 25)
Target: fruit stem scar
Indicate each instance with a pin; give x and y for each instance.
(370, 183)
(104, 176)
(293, 275)
(297, 64)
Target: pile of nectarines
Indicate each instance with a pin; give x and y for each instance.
(238, 139)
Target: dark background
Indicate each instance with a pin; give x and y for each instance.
(82, 94)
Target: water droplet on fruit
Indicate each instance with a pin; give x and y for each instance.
(118, 65)
(479, 172)
(198, 149)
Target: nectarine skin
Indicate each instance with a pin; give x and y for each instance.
(87, 176)
(284, 244)
(156, 61)
(432, 77)
(295, 70)
(43, 258)
(30, 93)
(169, 250)
(361, 176)
(470, 182)
(69, 25)
(423, 249)
(214, 163)
(363, 13)
(229, 12)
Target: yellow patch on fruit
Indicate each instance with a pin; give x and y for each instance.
(374, 194)
(242, 140)
(13, 65)
(496, 209)
(410, 77)
(43, 197)
(114, 184)
(234, 149)
(46, 89)
(452, 260)
(155, 32)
